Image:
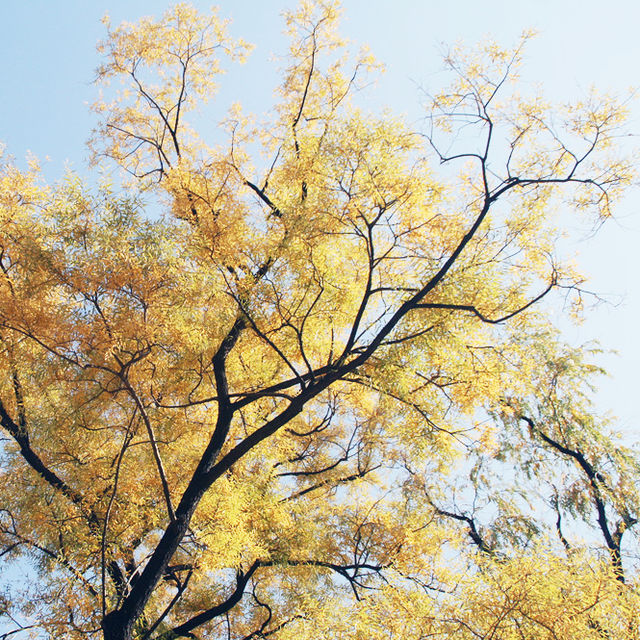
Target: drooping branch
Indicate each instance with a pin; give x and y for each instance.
(558, 523)
(353, 573)
(20, 434)
(613, 539)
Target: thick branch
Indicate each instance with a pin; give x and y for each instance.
(21, 437)
(184, 630)
(119, 622)
(265, 198)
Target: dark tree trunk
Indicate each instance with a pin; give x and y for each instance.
(116, 627)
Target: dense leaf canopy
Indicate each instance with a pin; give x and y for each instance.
(320, 397)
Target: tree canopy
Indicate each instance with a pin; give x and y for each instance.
(321, 395)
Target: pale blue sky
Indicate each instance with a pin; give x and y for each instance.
(47, 58)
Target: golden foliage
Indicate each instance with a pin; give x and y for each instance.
(319, 397)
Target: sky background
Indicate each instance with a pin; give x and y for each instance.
(48, 59)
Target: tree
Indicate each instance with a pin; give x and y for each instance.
(253, 417)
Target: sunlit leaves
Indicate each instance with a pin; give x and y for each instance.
(319, 396)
